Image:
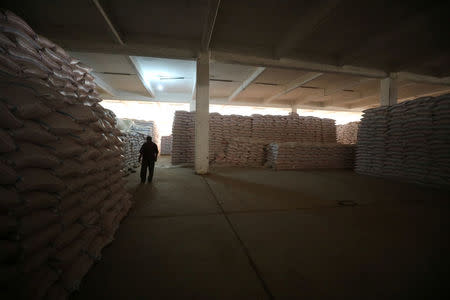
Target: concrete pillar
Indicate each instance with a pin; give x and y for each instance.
(202, 115)
(192, 105)
(294, 108)
(388, 91)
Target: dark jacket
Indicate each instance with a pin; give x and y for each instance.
(149, 151)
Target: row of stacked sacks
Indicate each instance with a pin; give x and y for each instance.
(293, 128)
(183, 137)
(295, 155)
(347, 133)
(132, 143)
(147, 128)
(246, 152)
(223, 129)
(409, 141)
(166, 145)
(62, 195)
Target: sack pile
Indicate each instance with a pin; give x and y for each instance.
(293, 128)
(147, 128)
(166, 145)
(183, 137)
(295, 155)
(245, 152)
(225, 133)
(217, 141)
(132, 143)
(409, 141)
(347, 133)
(62, 195)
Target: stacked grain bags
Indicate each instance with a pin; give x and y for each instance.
(328, 131)
(147, 128)
(370, 154)
(216, 137)
(183, 137)
(61, 192)
(166, 145)
(298, 155)
(409, 141)
(135, 133)
(245, 152)
(253, 131)
(347, 133)
(132, 143)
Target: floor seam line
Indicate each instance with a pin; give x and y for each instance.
(174, 216)
(241, 242)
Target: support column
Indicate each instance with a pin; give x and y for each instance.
(202, 115)
(294, 107)
(388, 91)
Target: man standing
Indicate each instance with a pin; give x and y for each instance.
(148, 154)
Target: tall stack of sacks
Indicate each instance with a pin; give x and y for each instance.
(132, 142)
(295, 155)
(258, 127)
(61, 192)
(370, 155)
(347, 133)
(183, 137)
(328, 131)
(147, 128)
(216, 137)
(166, 145)
(409, 141)
(245, 152)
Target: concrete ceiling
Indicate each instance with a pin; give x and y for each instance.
(326, 54)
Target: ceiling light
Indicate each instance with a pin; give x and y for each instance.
(159, 87)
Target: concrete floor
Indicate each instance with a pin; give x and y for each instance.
(260, 234)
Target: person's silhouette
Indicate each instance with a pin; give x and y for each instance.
(148, 154)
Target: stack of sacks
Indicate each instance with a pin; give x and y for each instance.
(370, 155)
(132, 143)
(183, 137)
(166, 145)
(347, 133)
(147, 128)
(62, 196)
(267, 129)
(295, 155)
(216, 137)
(409, 141)
(328, 131)
(245, 152)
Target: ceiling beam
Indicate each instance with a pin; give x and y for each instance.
(346, 86)
(157, 47)
(374, 99)
(286, 63)
(308, 22)
(246, 83)
(294, 84)
(422, 78)
(213, 8)
(105, 86)
(140, 74)
(111, 26)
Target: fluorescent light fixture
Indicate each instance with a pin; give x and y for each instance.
(159, 87)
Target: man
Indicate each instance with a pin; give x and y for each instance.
(148, 154)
